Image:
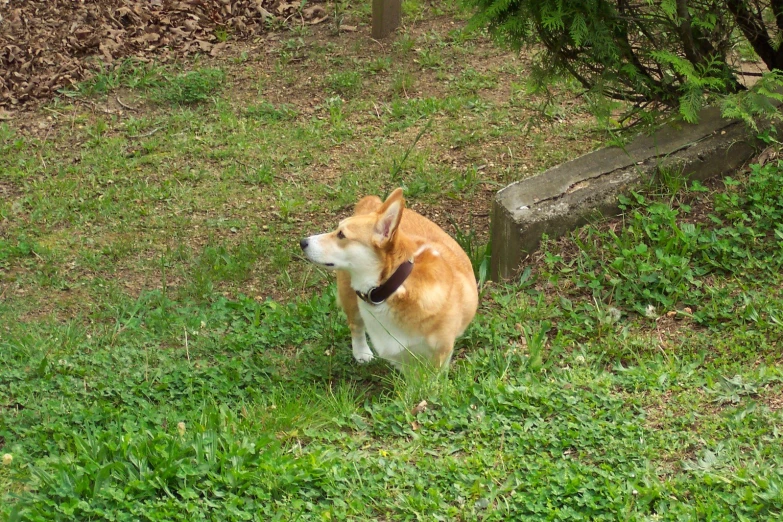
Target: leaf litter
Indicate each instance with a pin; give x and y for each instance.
(47, 45)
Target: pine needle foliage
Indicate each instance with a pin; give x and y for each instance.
(653, 54)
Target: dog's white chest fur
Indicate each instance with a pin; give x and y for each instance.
(391, 342)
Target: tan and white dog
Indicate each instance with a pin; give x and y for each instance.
(401, 279)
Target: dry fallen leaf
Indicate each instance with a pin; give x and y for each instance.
(46, 45)
(768, 154)
(316, 21)
(422, 406)
(314, 14)
(217, 49)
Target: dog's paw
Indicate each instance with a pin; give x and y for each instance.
(363, 358)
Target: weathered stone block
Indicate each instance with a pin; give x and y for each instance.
(570, 195)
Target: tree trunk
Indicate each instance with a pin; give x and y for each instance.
(753, 29)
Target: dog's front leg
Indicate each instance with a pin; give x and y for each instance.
(350, 305)
(361, 350)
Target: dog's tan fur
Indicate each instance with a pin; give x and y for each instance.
(433, 306)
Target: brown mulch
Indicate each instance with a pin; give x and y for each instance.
(46, 45)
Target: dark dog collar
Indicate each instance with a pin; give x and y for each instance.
(378, 294)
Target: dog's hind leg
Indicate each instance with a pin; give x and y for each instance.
(444, 349)
(350, 305)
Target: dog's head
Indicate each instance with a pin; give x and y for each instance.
(359, 242)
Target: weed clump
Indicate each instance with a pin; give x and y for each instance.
(662, 258)
(193, 87)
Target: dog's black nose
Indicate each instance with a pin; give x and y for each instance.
(303, 243)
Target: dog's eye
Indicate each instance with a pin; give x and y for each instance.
(340, 234)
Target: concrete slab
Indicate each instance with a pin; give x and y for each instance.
(574, 193)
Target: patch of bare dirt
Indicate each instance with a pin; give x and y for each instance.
(466, 214)
(773, 398)
(8, 191)
(46, 45)
(656, 412)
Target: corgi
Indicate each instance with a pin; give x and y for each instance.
(401, 280)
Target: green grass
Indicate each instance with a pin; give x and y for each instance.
(167, 355)
(192, 87)
(584, 423)
(130, 74)
(266, 111)
(345, 83)
(660, 258)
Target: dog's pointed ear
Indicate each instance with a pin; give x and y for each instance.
(389, 216)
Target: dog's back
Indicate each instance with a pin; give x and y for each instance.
(415, 225)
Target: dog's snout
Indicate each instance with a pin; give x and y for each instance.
(303, 243)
